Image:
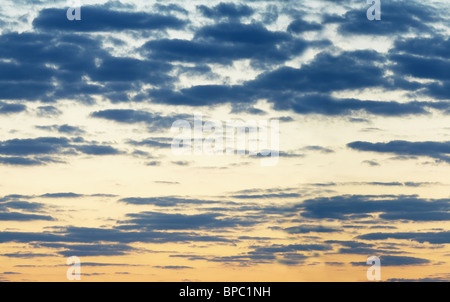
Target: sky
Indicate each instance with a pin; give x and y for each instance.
(358, 113)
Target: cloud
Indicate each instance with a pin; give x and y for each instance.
(98, 19)
(62, 195)
(435, 46)
(222, 43)
(371, 163)
(30, 211)
(389, 260)
(226, 10)
(326, 73)
(38, 151)
(166, 201)
(90, 250)
(437, 150)
(318, 149)
(170, 8)
(89, 236)
(122, 69)
(360, 248)
(411, 60)
(425, 68)
(426, 279)
(100, 264)
(165, 221)
(247, 34)
(6, 108)
(23, 161)
(267, 195)
(277, 248)
(389, 208)
(326, 105)
(63, 129)
(48, 111)
(154, 121)
(303, 90)
(284, 254)
(98, 150)
(173, 267)
(25, 255)
(397, 18)
(13, 216)
(37, 146)
(306, 229)
(299, 26)
(76, 63)
(153, 142)
(21, 205)
(430, 237)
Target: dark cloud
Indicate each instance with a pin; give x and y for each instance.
(427, 279)
(100, 264)
(98, 150)
(358, 248)
(62, 195)
(98, 19)
(165, 221)
(299, 26)
(37, 146)
(371, 163)
(326, 105)
(202, 95)
(88, 236)
(63, 129)
(6, 108)
(15, 216)
(305, 229)
(48, 111)
(173, 267)
(397, 18)
(153, 142)
(437, 150)
(154, 121)
(21, 205)
(390, 260)
(326, 73)
(430, 237)
(115, 69)
(30, 211)
(77, 59)
(389, 208)
(170, 8)
(38, 151)
(297, 89)
(419, 67)
(284, 254)
(223, 43)
(435, 46)
(167, 201)
(239, 33)
(26, 255)
(23, 161)
(318, 149)
(90, 250)
(277, 248)
(267, 195)
(226, 10)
